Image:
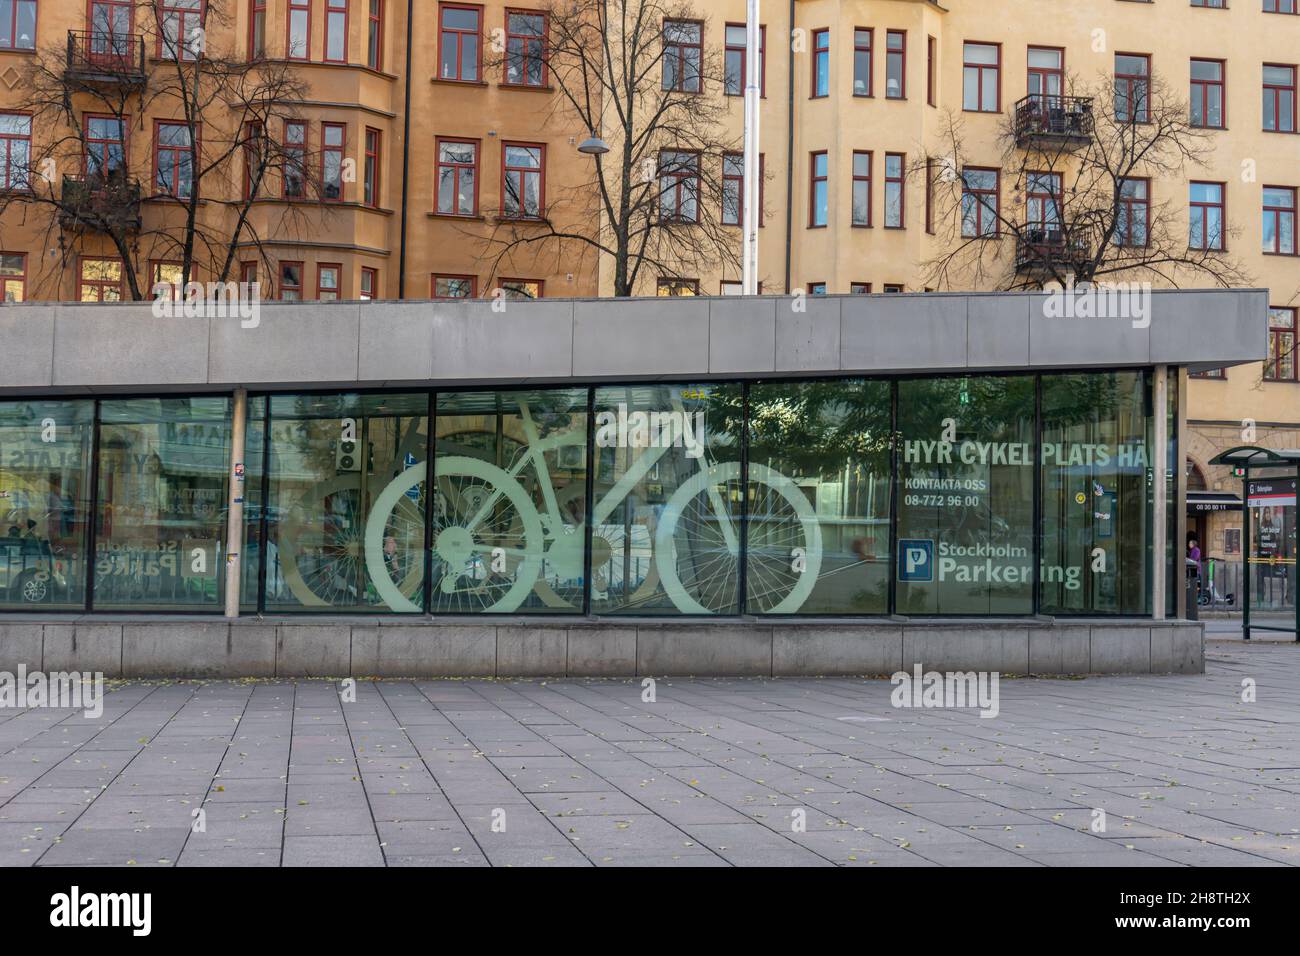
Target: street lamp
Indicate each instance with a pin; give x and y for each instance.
(593, 145)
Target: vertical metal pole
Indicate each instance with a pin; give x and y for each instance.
(1245, 555)
(753, 91)
(1159, 466)
(1180, 494)
(235, 514)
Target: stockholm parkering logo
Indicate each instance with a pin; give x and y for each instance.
(916, 559)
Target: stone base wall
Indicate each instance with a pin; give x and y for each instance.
(580, 647)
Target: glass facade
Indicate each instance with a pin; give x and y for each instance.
(978, 495)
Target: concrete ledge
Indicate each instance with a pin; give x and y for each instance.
(121, 646)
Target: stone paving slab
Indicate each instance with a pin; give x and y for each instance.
(715, 772)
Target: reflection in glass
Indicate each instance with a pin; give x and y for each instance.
(254, 467)
(45, 450)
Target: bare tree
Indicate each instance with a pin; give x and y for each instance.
(1081, 170)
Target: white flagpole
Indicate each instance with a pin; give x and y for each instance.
(751, 211)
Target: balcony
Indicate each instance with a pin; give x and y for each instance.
(101, 203)
(99, 57)
(1053, 121)
(1049, 250)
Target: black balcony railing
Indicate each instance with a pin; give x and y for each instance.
(101, 202)
(1051, 249)
(106, 56)
(1046, 116)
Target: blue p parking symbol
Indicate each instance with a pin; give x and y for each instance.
(915, 559)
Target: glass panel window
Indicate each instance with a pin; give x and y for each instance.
(369, 284)
(336, 31)
(1134, 212)
(174, 160)
(370, 175)
(894, 190)
(821, 63)
(966, 496)
(735, 60)
(673, 287)
(510, 501)
(256, 29)
(13, 276)
(17, 24)
(101, 280)
(45, 503)
(459, 43)
(863, 41)
(896, 65)
(683, 55)
(15, 150)
(1279, 98)
(525, 48)
(105, 147)
(333, 136)
(295, 159)
(165, 280)
(979, 203)
(818, 191)
(453, 287)
(1043, 207)
(291, 281)
(861, 188)
(1206, 216)
(457, 177)
(1046, 71)
(1207, 93)
(981, 81)
(298, 37)
(1279, 220)
(181, 33)
(679, 186)
(1280, 366)
(523, 179)
(375, 35)
(1132, 87)
(521, 288)
(327, 282)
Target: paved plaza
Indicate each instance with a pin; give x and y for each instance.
(713, 773)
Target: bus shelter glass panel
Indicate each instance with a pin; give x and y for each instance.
(966, 454)
(346, 500)
(161, 508)
(667, 499)
(1096, 494)
(818, 508)
(254, 503)
(1272, 549)
(509, 508)
(45, 503)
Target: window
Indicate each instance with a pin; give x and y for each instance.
(1280, 365)
(1279, 6)
(863, 38)
(1206, 200)
(894, 214)
(735, 288)
(818, 191)
(459, 42)
(1043, 206)
(1132, 87)
(369, 283)
(173, 161)
(893, 288)
(370, 174)
(862, 187)
(291, 281)
(816, 288)
(13, 276)
(859, 288)
(735, 64)
(101, 281)
(896, 65)
(295, 159)
(676, 287)
(929, 196)
(821, 63)
(105, 146)
(981, 77)
(457, 192)
(248, 275)
(1207, 94)
(522, 288)
(17, 24)
(256, 29)
(1279, 220)
(333, 137)
(979, 203)
(15, 151)
(298, 37)
(181, 22)
(255, 159)
(523, 180)
(165, 280)
(327, 281)
(525, 48)
(679, 186)
(683, 55)
(1133, 218)
(1215, 4)
(930, 66)
(453, 287)
(336, 31)
(1046, 71)
(375, 42)
(733, 188)
(1279, 98)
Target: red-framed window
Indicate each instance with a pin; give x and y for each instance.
(1132, 87)
(100, 280)
(864, 41)
(896, 65)
(816, 288)
(981, 77)
(859, 288)
(173, 159)
(457, 186)
(733, 188)
(106, 145)
(523, 288)
(1133, 222)
(683, 55)
(1207, 219)
(525, 48)
(1279, 6)
(181, 21)
(895, 207)
(375, 39)
(111, 25)
(679, 186)
(862, 187)
(1280, 366)
(291, 281)
(818, 189)
(1279, 220)
(15, 152)
(370, 168)
(1279, 98)
(254, 158)
(248, 276)
(523, 180)
(256, 29)
(369, 284)
(13, 276)
(297, 38)
(328, 279)
(1045, 70)
(1208, 94)
(460, 42)
(1043, 204)
(333, 146)
(821, 64)
(336, 31)
(893, 288)
(931, 65)
(929, 196)
(452, 287)
(165, 279)
(295, 159)
(677, 287)
(735, 60)
(17, 24)
(980, 202)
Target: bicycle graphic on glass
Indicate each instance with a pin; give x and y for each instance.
(493, 544)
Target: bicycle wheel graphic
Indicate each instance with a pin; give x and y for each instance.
(700, 571)
(320, 544)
